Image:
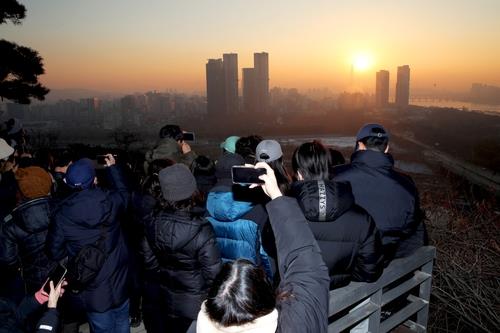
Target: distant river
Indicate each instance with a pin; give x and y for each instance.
(487, 108)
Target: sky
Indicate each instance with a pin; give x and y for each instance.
(128, 46)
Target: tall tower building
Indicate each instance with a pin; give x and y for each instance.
(403, 86)
(249, 90)
(261, 65)
(382, 88)
(216, 101)
(230, 63)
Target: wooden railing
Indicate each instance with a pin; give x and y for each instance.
(358, 302)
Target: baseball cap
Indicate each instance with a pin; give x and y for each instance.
(268, 151)
(80, 174)
(374, 130)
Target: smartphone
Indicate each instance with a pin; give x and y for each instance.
(188, 136)
(56, 276)
(247, 175)
(101, 159)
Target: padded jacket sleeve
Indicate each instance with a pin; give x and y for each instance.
(209, 254)
(303, 304)
(121, 191)
(8, 245)
(49, 322)
(369, 262)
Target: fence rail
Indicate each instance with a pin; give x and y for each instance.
(359, 301)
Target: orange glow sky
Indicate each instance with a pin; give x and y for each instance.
(126, 46)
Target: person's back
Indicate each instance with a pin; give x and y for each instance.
(390, 197)
(82, 219)
(25, 235)
(25, 229)
(180, 254)
(237, 221)
(346, 234)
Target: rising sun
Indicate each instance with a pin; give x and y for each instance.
(362, 61)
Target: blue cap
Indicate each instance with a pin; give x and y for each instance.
(230, 143)
(374, 130)
(80, 174)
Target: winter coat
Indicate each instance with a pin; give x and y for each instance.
(25, 233)
(183, 250)
(237, 225)
(77, 222)
(390, 197)
(346, 234)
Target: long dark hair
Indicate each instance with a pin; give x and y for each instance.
(311, 159)
(240, 294)
(282, 176)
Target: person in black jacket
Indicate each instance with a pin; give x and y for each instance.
(243, 300)
(180, 252)
(80, 220)
(389, 196)
(346, 234)
(25, 229)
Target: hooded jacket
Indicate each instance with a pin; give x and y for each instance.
(77, 222)
(390, 197)
(182, 249)
(346, 234)
(237, 225)
(168, 148)
(25, 233)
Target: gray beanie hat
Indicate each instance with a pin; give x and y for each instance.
(177, 182)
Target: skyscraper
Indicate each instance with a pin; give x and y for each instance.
(216, 102)
(261, 65)
(382, 88)
(249, 90)
(230, 63)
(403, 86)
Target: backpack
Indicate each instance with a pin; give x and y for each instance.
(88, 262)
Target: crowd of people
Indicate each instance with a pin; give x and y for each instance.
(179, 245)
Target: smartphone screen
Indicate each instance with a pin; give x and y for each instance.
(188, 136)
(55, 276)
(247, 175)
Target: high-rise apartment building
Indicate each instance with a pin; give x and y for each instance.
(261, 65)
(382, 88)
(216, 100)
(403, 86)
(249, 90)
(230, 63)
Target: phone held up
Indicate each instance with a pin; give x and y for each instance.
(56, 276)
(247, 175)
(101, 159)
(188, 136)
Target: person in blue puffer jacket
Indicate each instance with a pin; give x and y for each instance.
(236, 219)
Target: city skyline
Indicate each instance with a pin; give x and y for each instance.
(124, 46)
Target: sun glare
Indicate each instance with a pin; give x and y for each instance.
(362, 61)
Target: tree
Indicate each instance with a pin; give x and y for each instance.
(20, 66)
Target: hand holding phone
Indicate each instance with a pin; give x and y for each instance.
(247, 175)
(56, 276)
